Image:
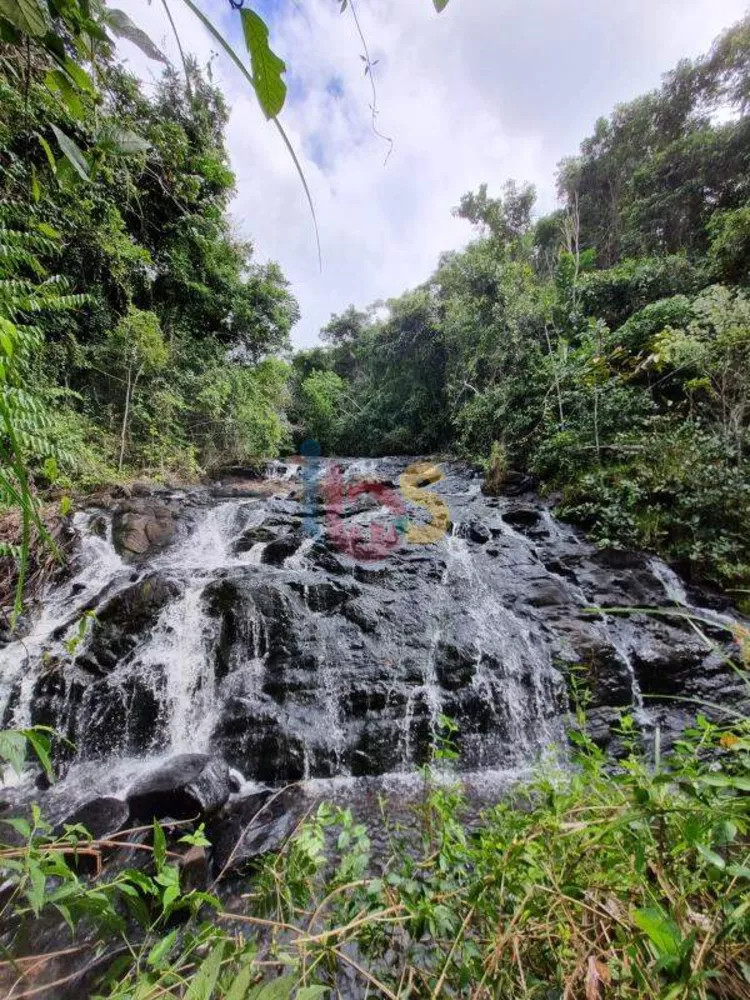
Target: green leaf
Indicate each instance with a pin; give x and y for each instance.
(79, 76)
(203, 982)
(277, 989)
(20, 825)
(28, 15)
(161, 949)
(241, 982)
(119, 22)
(13, 749)
(711, 856)
(160, 847)
(35, 889)
(440, 5)
(311, 992)
(661, 930)
(40, 745)
(267, 67)
(72, 153)
(48, 153)
(128, 142)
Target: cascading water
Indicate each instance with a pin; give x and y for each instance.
(303, 639)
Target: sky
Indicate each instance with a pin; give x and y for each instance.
(486, 91)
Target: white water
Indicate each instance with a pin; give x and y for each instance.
(98, 565)
(269, 655)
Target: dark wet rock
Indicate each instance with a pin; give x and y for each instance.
(324, 597)
(254, 825)
(523, 517)
(455, 665)
(548, 592)
(257, 534)
(257, 742)
(280, 549)
(194, 870)
(517, 483)
(122, 621)
(344, 662)
(475, 531)
(184, 786)
(362, 614)
(383, 743)
(102, 817)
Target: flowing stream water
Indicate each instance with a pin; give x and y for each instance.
(284, 650)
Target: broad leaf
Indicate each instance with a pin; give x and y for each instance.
(161, 949)
(312, 992)
(267, 67)
(240, 984)
(13, 749)
(72, 153)
(277, 989)
(59, 83)
(711, 856)
(122, 140)
(123, 27)
(41, 746)
(28, 15)
(48, 153)
(203, 982)
(661, 930)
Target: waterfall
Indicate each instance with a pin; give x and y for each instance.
(98, 568)
(323, 662)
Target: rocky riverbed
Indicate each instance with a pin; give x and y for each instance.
(315, 626)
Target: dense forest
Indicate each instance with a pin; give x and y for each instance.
(605, 347)
(159, 337)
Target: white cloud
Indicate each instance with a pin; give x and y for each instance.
(490, 89)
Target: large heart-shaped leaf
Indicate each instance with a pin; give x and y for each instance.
(119, 22)
(28, 15)
(72, 153)
(267, 67)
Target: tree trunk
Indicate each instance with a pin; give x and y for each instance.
(125, 417)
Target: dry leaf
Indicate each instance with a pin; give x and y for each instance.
(597, 977)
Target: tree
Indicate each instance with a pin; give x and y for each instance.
(711, 357)
(135, 348)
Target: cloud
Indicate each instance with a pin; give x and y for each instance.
(489, 90)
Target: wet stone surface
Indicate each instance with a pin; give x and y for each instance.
(315, 626)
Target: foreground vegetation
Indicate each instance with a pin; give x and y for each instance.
(605, 347)
(589, 881)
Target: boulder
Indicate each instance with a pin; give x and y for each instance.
(254, 825)
(194, 870)
(187, 785)
(102, 817)
(475, 531)
(138, 526)
(122, 621)
(280, 549)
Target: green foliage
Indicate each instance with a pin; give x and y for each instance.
(321, 395)
(730, 244)
(593, 346)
